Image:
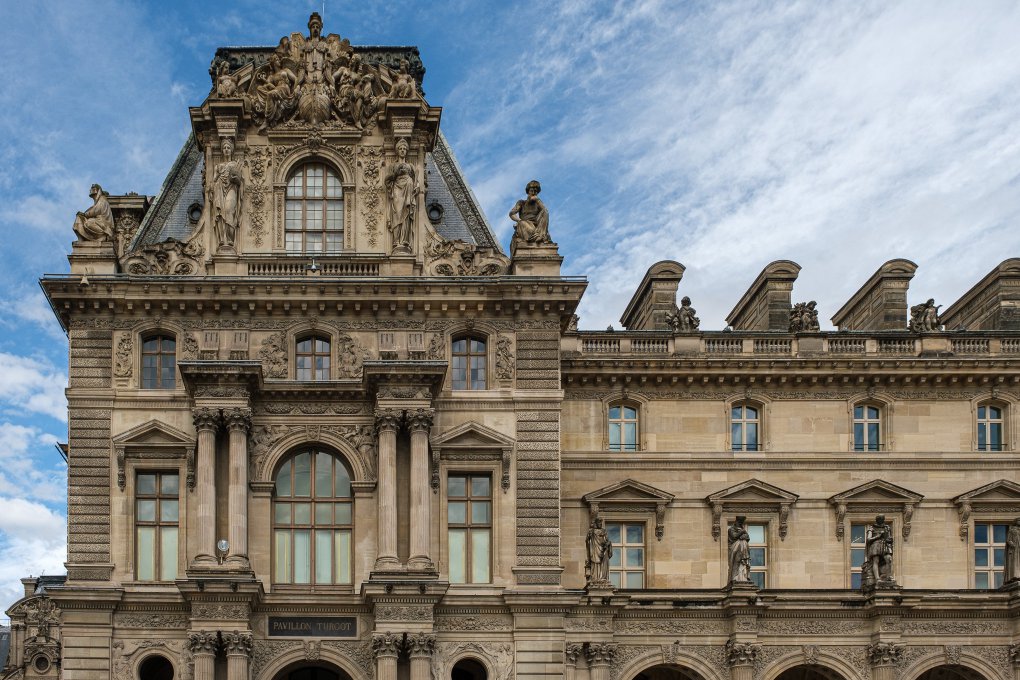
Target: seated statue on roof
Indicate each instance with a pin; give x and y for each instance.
(531, 219)
(96, 223)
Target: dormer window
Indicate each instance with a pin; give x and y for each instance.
(315, 210)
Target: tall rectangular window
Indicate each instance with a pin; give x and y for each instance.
(469, 528)
(744, 424)
(159, 362)
(627, 565)
(858, 533)
(467, 364)
(757, 549)
(157, 514)
(867, 428)
(989, 554)
(623, 428)
(989, 428)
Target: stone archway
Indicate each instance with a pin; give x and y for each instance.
(951, 672)
(468, 669)
(809, 672)
(317, 671)
(668, 672)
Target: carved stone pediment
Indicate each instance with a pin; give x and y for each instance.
(629, 496)
(472, 440)
(459, 258)
(169, 258)
(153, 439)
(875, 497)
(1000, 497)
(752, 496)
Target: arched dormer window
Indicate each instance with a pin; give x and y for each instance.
(468, 363)
(745, 426)
(867, 427)
(312, 358)
(623, 426)
(315, 210)
(312, 520)
(991, 419)
(159, 362)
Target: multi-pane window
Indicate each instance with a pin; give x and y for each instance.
(469, 527)
(468, 364)
(312, 358)
(989, 554)
(315, 210)
(159, 362)
(867, 428)
(157, 514)
(858, 553)
(623, 428)
(627, 565)
(757, 550)
(989, 428)
(744, 427)
(312, 520)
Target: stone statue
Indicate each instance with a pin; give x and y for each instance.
(1012, 569)
(96, 223)
(278, 90)
(403, 188)
(804, 317)
(878, 550)
(226, 84)
(600, 550)
(924, 318)
(313, 88)
(403, 83)
(684, 318)
(531, 218)
(738, 539)
(227, 193)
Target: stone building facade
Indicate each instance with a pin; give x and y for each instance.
(322, 426)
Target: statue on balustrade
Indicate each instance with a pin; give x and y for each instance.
(96, 223)
(600, 550)
(531, 219)
(1012, 569)
(683, 319)
(804, 317)
(878, 551)
(924, 318)
(739, 541)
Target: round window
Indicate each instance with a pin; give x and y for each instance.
(41, 663)
(156, 667)
(435, 212)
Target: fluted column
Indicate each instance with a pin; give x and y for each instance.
(884, 657)
(238, 421)
(207, 421)
(740, 656)
(600, 659)
(202, 644)
(420, 424)
(387, 422)
(238, 648)
(572, 652)
(420, 648)
(386, 649)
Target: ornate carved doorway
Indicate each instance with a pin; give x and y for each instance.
(668, 672)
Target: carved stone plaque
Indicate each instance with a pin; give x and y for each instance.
(313, 626)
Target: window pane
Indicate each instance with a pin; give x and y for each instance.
(981, 533)
(994, 412)
(855, 580)
(859, 436)
(323, 474)
(858, 411)
(872, 413)
(146, 511)
(480, 556)
(458, 556)
(736, 435)
(456, 486)
(997, 579)
(456, 512)
(635, 579)
(617, 558)
(856, 558)
(302, 475)
(614, 436)
(302, 557)
(756, 532)
(635, 533)
(995, 440)
(981, 580)
(323, 556)
(342, 481)
(302, 513)
(283, 481)
(169, 485)
(614, 578)
(480, 486)
(282, 513)
(757, 557)
(873, 436)
(981, 557)
(477, 346)
(168, 511)
(146, 550)
(858, 533)
(168, 553)
(342, 513)
(758, 578)
(480, 512)
(283, 556)
(614, 412)
(343, 557)
(146, 485)
(323, 513)
(737, 412)
(630, 435)
(613, 531)
(752, 437)
(999, 532)
(982, 446)
(999, 557)
(635, 557)
(459, 346)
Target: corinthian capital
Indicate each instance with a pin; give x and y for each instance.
(741, 653)
(206, 418)
(236, 643)
(420, 419)
(386, 644)
(202, 642)
(237, 419)
(884, 653)
(387, 419)
(601, 653)
(421, 644)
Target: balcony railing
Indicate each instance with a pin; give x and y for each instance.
(314, 265)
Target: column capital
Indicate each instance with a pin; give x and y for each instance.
(420, 645)
(237, 643)
(203, 642)
(573, 651)
(1014, 654)
(884, 653)
(388, 419)
(601, 653)
(420, 419)
(386, 644)
(741, 653)
(237, 419)
(206, 418)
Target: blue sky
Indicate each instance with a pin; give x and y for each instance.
(723, 135)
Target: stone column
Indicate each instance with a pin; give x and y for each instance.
(238, 648)
(1014, 656)
(420, 648)
(740, 656)
(420, 423)
(386, 649)
(600, 659)
(207, 420)
(202, 644)
(572, 653)
(387, 422)
(238, 421)
(884, 656)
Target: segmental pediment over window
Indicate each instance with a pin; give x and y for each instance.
(752, 496)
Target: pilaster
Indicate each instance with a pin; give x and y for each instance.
(203, 644)
(387, 422)
(207, 421)
(238, 422)
(419, 422)
(600, 659)
(386, 650)
(420, 648)
(237, 645)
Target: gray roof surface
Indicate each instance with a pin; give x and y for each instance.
(167, 217)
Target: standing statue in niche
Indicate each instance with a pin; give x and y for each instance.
(924, 318)
(804, 317)
(531, 219)
(1012, 569)
(738, 541)
(227, 192)
(600, 550)
(683, 319)
(96, 223)
(878, 551)
(403, 188)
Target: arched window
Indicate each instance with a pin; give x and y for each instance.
(468, 363)
(989, 426)
(315, 210)
(867, 427)
(159, 362)
(156, 667)
(623, 427)
(745, 427)
(312, 520)
(311, 358)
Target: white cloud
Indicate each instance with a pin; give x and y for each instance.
(33, 541)
(32, 384)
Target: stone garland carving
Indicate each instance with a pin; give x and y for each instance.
(504, 358)
(257, 162)
(625, 654)
(264, 438)
(96, 222)
(671, 653)
(499, 655)
(804, 318)
(164, 621)
(953, 654)
(811, 626)
(764, 658)
(938, 627)
(168, 258)
(370, 160)
(273, 355)
(264, 652)
(924, 317)
(810, 654)
(313, 650)
(588, 625)
(1014, 653)
(459, 258)
(359, 652)
(41, 615)
(123, 360)
(884, 653)
(316, 408)
(682, 319)
(219, 611)
(474, 623)
(125, 227)
(403, 613)
(725, 392)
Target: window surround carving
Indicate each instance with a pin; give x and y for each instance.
(764, 406)
(877, 497)
(626, 398)
(997, 501)
(630, 500)
(285, 439)
(154, 442)
(757, 500)
(292, 158)
(133, 377)
(472, 442)
(885, 406)
(994, 398)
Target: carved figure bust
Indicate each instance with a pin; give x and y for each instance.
(402, 188)
(600, 550)
(531, 219)
(924, 318)
(96, 223)
(878, 549)
(1012, 569)
(684, 319)
(738, 541)
(227, 193)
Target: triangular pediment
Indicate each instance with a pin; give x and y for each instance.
(877, 491)
(628, 491)
(753, 491)
(472, 435)
(153, 433)
(1001, 491)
